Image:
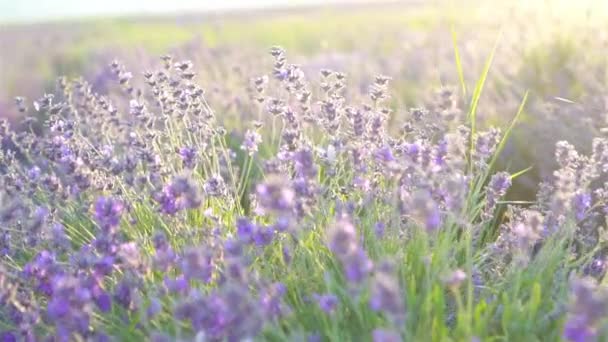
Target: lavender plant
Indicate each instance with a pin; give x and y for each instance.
(143, 214)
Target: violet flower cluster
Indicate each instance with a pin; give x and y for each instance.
(144, 208)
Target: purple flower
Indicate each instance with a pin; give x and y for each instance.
(386, 293)
(215, 186)
(497, 188)
(314, 337)
(177, 285)
(342, 237)
(129, 255)
(565, 154)
(362, 183)
(8, 336)
(70, 305)
(160, 337)
(581, 204)
(357, 266)
(165, 256)
(217, 319)
(384, 154)
(186, 310)
(271, 300)
(154, 308)
(225, 314)
(179, 195)
(5, 243)
(412, 151)
(344, 243)
(304, 163)
(282, 224)
(424, 209)
(263, 236)
(103, 301)
(108, 212)
(124, 294)
(576, 330)
(597, 267)
(385, 335)
(588, 308)
(500, 183)
(275, 194)
(188, 155)
(58, 308)
(440, 153)
(196, 263)
(304, 189)
(233, 247)
(251, 142)
(486, 143)
(327, 302)
(33, 173)
(236, 270)
(379, 229)
(160, 241)
(59, 237)
(42, 270)
(104, 266)
(286, 254)
(245, 230)
(106, 244)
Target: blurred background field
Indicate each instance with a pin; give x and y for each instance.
(555, 49)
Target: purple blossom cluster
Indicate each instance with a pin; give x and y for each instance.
(587, 310)
(178, 195)
(140, 209)
(344, 243)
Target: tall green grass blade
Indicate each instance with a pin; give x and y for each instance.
(472, 115)
(519, 173)
(481, 82)
(505, 137)
(458, 62)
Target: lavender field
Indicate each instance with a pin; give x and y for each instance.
(403, 171)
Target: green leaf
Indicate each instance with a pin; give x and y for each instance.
(505, 137)
(472, 115)
(458, 62)
(535, 300)
(519, 173)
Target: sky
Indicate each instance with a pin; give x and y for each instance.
(43, 10)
